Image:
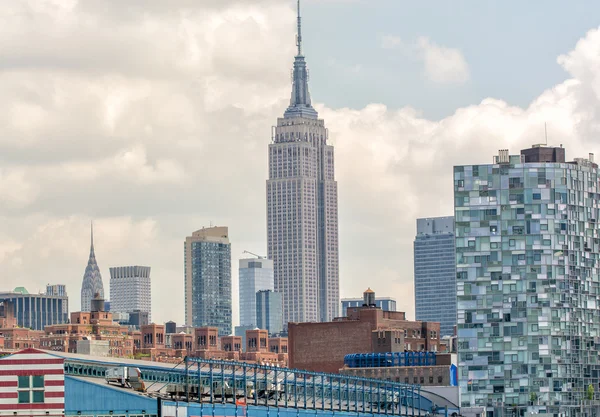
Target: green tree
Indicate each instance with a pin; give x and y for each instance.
(533, 397)
(590, 392)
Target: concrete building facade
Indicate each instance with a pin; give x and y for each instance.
(302, 214)
(435, 272)
(130, 289)
(527, 250)
(254, 275)
(208, 279)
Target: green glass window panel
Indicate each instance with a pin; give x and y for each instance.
(37, 381)
(24, 381)
(38, 396)
(23, 397)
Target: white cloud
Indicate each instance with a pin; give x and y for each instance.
(441, 64)
(154, 120)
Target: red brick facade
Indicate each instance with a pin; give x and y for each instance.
(321, 347)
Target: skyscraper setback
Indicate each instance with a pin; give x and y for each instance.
(302, 217)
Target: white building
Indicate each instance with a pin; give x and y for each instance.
(302, 215)
(255, 275)
(130, 289)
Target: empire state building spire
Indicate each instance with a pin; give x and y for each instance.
(300, 104)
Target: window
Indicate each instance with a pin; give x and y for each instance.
(439, 379)
(431, 380)
(31, 389)
(23, 397)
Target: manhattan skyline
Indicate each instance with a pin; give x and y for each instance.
(135, 122)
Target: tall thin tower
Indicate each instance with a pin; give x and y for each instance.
(92, 279)
(302, 216)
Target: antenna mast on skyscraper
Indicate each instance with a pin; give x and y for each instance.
(299, 35)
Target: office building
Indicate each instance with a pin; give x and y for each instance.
(58, 290)
(36, 311)
(254, 275)
(302, 215)
(130, 289)
(269, 312)
(208, 279)
(92, 279)
(435, 272)
(527, 250)
(384, 303)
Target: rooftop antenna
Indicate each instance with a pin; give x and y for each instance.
(299, 35)
(546, 133)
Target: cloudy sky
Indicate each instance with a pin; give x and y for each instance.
(152, 118)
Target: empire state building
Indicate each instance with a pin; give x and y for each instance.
(302, 214)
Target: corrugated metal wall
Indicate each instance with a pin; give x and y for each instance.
(90, 398)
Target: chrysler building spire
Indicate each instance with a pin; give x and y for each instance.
(300, 104)
(92, 279)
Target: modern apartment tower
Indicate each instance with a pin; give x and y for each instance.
(92, 279)
(527, 251)
(130, 289)
(254, 275)
(435, 272)
(269, 311)
(208, 279)
(302, 216)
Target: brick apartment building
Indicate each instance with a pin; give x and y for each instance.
(321, 347)
(94, 325)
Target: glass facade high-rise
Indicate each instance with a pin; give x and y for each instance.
(302, 215)
(269, 311)
(208, 279)
(527, 251)
(254, 275)
(435, 272)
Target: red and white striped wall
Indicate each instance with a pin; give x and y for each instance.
(32, 362)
